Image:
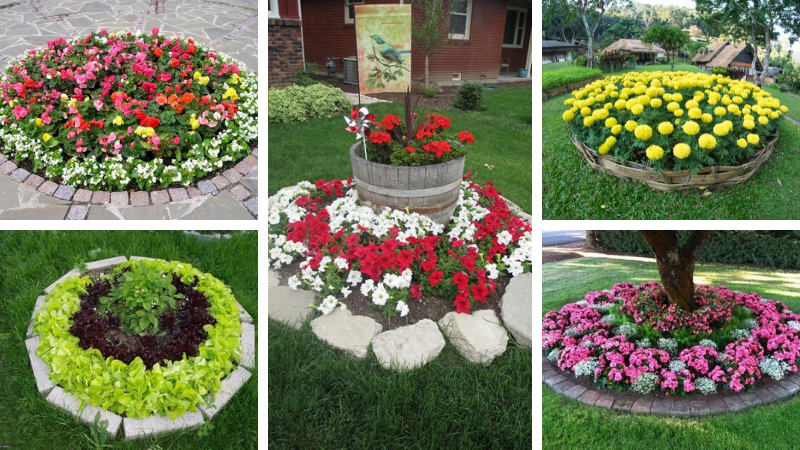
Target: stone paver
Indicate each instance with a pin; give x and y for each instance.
(40, 368)
(243, 167)
(680, 409)
(20, 175)
(575, 391)
(605, 401)
(106, 263)
(240, 192)
(178, 194)
(64, 192)
(78, 212)
(346, 332)
(252, 205)
(660, 408)
(159, 197)
(232, 383)
(7, 168)
(248, 346)
(589, 397)
(220, 181)
(83, 196)
(48, 187)
(119, 198)
(479, 337)
(699, 407)
(206, 187)
(34, 181)
(516, 308)
(193, 192)
(408, 347)
(622, 405)
(61, 399)
(101, 197)
(232, 175)
(140, 198)
(156, 425)
(642, 406)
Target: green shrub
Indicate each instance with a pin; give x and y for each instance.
(299, 103)
(563, 77)
(430, 92)
(779, 249)
(304, 75)
(469, 96)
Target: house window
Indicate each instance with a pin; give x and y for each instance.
(460, 16)
(347, 17)
(514, 34)
(272, 9)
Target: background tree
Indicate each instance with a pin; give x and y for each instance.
(561, 21)
(431, 27)
(591, 239)
(676, 263)
(625, 29)
(670, 39)
(693, 48)
(695, 31)
(591, 12)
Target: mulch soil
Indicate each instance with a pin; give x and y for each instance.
(427, 307)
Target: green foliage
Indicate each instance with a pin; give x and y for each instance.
(780, 249)
(469, 97)
(304, 75)
(430, 92)
(563, 77)
(299, 103)
(143, 294)
(168, 389)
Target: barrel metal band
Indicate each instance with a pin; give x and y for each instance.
(408, 193)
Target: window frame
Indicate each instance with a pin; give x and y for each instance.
(272, 10)
(351, 20)
(524, 13)
(465, 36)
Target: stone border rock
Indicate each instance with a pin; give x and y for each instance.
(692, 406)
(80, 199)
(479, 337)
(153, 425)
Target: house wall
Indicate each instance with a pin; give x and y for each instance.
(285, 51)
(327, 36)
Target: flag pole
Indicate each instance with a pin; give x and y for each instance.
(352, 8)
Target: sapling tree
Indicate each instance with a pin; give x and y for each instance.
(670, 39)
(676, 263)
(590, 12)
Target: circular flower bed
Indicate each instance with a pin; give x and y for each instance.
(114, 111)
(394, 257)
(633, 338)
(150, 337)
(673, 120)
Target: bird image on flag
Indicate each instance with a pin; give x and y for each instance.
(383, 35)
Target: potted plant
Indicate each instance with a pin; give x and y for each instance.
(407, 165)
(523, 73)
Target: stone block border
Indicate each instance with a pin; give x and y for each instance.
(692, 406)
(234, 180)
(479, 337)
(154, 425)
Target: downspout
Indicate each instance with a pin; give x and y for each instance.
(530, 52)
(302, 38)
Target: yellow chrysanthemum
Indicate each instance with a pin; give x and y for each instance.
(616, 129)
(567, 116)
(655, 152)
(720, 111)
(721, 129)
(752, 138)
(707, 141)
(678, 112)
(672, 106)
(588, 121)
(655, 103)
(611, 140)
(665, 128)
(655, 83)
(586, 111)
(706, 118)
(695, 113)
(637, 109)
(604, 148)
(681, 150)
(677, 97)
(774, 115)
(784, 109)
(738, 100)
(620, 104)
(599, 114)
(643, 132)
(631, 125)
(608, 106)
(667, 97)
(692, 104)
(726, 100)
(749, 124)
(569, 101)
(763, 120)
(691, 128)
(741, 143)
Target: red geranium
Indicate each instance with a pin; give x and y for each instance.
(390, 121)
(380, 137)
(466, 137)
(437, 148)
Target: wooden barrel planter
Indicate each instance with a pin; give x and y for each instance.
(430, 190)
(716, 176)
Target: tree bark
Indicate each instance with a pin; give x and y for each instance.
(427, 79)
(676, 263)
(591, 239)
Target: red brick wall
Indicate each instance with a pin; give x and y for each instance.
(519, 56)
(327, 36)
(285, 51)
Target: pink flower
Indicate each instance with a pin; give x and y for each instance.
(177, 140)
(98, 104)
(154, 31)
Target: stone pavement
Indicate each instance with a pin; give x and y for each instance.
(226, 26)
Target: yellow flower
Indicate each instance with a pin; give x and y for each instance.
(691, 128)
(46, 137)
(231, 93)
(235, 78)
(651, 92)
(667, 97)
(640, 89)
(608, 106)
(752, 138)
(203, 80)
(588, 121)
(139, 130)
(567, 116)
(738, 100)
(665, 128)
(149, 131)
(196, 124)
(774, 115)
(707, 141)
(610, 122)
(655, 103)
(695, 113)
(637, 109)
(763, 120)
(672, 106)
(692, 104)
(678, 112)
(569, 101)
(655, 152)
(655, 83)
(749, 124)
(726, 100)
(619, 104)
(681, 150)
(197, 75)
(733, 109)
(39, 122)
(586, 111)
(599, 114)
(604, 148)
(720, 129)
(784, 108)
(611, 140)
(64, 97)
(643, 132)
(706, 118)
(712, 101)
(720, 111)
(616, 129)
(677, 97)
(630, 125)
(741, 142)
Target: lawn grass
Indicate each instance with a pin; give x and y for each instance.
(569, 424)
(320, 398)
(789, 99)
(556, 66)
(318, 148)
(570, 190)
(30, 261)
(557, 78)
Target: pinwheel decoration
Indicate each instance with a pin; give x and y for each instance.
(360, 122)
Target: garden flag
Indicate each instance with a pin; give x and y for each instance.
(383, 37)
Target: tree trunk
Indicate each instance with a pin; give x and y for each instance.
(672, 66)
(589, 34)
(676, 263)
(591, 239)
(765, 64)
(427, 82)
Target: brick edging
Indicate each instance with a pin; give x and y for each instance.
(568, 87)
(80, 199)
(695, 405)
(152, 425)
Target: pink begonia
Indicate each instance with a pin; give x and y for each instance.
(699, 358)
(688, 386)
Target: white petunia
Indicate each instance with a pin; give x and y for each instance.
(354, 277)
(367, 287)
(402, 307)
(328, 304)
(380, 295)
(294, 282)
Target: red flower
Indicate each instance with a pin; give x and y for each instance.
(435, 277)
(174, 63)
(390, 121)
(416, 292)
(441, 122)
(462, 303)
(437, 148)
(149, 87)
(154, 31)
(466, 136)
(461, 280)
(190, 48)
(428, 265)
(380, 137)
(410, 149)
(480, 292)
(158, 52)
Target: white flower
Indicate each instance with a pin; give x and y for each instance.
(328, 304)
(317, 284)
(294, 282)
(402, 307)
(367, 287)
(340, 263)
(515, 268)
(346, 292)
(492, 272)
(380, 295)
(354, 277)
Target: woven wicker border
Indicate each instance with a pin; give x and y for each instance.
(716, 176)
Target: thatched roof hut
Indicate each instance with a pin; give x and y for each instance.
(634, 46)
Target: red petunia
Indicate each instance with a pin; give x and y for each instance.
(466, 136)
(428, 265)
(461, 280)
(480, 292)
(435, 278)
(380, 137)
(416, 292)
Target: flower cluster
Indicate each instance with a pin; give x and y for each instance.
(393, 257)
(109, 110)
(731, 341)
(673, 120)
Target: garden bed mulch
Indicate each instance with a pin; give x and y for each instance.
(427, 307)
